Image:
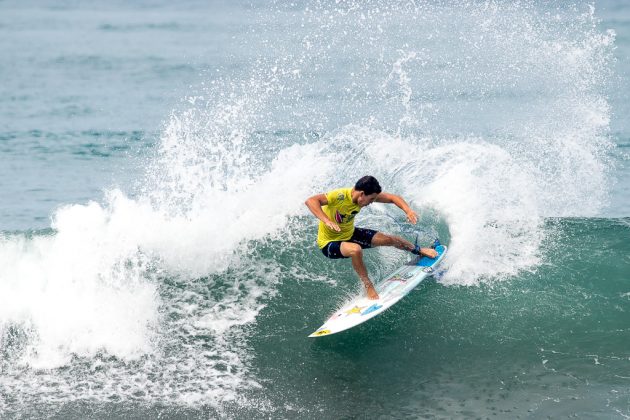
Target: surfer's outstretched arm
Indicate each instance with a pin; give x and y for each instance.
(400, 203)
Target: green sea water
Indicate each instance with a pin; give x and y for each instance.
(553, 342)
(548, 343)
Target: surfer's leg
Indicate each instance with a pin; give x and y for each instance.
(355, 252)
(384, 239)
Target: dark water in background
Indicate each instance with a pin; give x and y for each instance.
(187, 287)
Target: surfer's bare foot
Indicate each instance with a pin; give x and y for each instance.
(371, 293)
(429, 252)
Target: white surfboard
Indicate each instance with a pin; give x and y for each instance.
(390, 290)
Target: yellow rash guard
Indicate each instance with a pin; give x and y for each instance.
(341, 210)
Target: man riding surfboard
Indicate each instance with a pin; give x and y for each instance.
(338, 238)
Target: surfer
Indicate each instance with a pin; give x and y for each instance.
(338, 238)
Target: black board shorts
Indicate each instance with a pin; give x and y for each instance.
(360, 236)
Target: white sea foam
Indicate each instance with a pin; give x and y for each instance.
(78, 291)
(95, 286)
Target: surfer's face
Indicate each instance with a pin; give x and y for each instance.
(365, 200)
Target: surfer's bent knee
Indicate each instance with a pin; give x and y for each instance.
(351, 250)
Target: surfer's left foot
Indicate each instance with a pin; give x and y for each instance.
(371, 293)
(429, 252)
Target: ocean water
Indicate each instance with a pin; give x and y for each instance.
(157, 259)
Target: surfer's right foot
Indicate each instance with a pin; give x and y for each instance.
(429, 252)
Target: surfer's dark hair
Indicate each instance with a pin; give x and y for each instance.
(368, 184)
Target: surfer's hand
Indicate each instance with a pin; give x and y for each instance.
(332, 225)
(412, 217)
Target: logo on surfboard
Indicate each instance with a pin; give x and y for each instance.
(372, 308)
